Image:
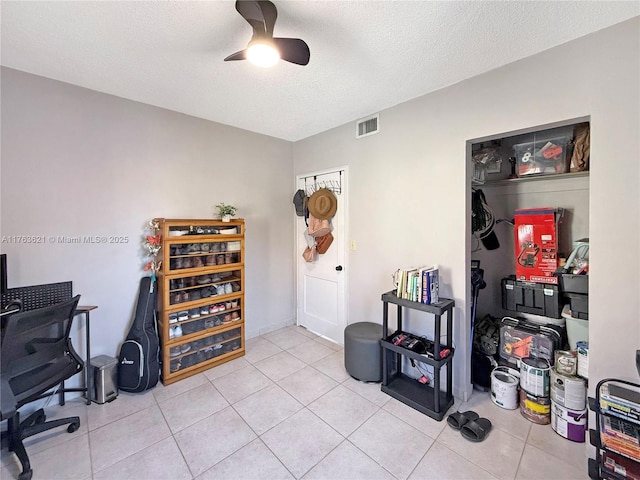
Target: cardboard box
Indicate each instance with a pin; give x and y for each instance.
(536, 248)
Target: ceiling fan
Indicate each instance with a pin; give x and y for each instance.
(263, 49)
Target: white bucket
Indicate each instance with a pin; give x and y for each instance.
(534, 376)
(504, 387)
(569, 392)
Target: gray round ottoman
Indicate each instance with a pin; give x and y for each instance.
(362, 351)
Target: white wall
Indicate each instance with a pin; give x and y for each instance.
(409, 184)
(79, 162)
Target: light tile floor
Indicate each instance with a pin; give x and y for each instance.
(288, 409)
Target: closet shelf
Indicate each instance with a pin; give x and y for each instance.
(533, 178)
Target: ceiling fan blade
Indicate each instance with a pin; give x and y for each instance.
(252, 12)
(293, 50)
(270, 14)
(241, 55)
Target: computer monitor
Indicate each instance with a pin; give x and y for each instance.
(3, 273)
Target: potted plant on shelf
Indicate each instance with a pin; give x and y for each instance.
(225, 212)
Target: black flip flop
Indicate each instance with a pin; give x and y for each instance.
(458, 419)
(476, 430)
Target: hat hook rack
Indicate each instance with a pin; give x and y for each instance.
(334, 185)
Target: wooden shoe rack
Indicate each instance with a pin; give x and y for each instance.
(201, 295)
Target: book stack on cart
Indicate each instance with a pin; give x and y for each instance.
(419, 284)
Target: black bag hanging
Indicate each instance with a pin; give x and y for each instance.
(139, 365)
(483, 221)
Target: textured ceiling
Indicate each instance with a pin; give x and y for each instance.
(365, 55)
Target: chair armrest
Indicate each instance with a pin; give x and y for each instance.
(7, 399)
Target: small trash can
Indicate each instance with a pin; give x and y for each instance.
(104, 376)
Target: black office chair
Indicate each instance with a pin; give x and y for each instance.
(36, 356)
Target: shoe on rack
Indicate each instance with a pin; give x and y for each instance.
(223, 246)
(206, 292)
(196, 294)
(210, 260)
(175, 365)
(193, 248)
(235, 316)
(179, 263)
(209, 323)
(228, 288)
(227, 318)
(175, 331)
(174, 351)
(235, 286)
(173, 317)
(228, 258)
(197, 262)
(185, 348)
(175, 298)
(187, 263)
(219, 289)
(183, 315)
(203, 279)
(221, 307)
(188, 360)
(194, 313)
(234, 303)
(204, 310)
(215, 247)
(227, 305)
(184, 297)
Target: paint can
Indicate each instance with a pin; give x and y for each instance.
(534, 376)
(504, 387)
(535, 409)
(570, 424)
(583, 359)
(566, 362)
(568, 391)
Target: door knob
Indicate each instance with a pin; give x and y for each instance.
(339, 268)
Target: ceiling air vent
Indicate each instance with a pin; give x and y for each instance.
(368, 126)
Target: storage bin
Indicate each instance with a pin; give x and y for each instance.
(577, 328)
(574, 283)
(542, 157)
(579, 305)
(535, 298)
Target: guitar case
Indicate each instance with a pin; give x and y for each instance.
(138, 361)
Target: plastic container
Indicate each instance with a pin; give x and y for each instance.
(577, 328)
(579, 305)
(542, 157)
(535, 298)
(570, 283)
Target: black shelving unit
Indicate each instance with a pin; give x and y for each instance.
(597, 468)
(428, 399)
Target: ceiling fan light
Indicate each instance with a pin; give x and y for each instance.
(263, 55)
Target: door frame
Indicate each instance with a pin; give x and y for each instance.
(344, 242)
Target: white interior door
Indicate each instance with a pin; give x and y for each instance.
(321, 306)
